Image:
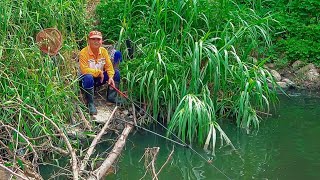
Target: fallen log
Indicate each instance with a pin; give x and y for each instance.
(102, 170)
(95, 141)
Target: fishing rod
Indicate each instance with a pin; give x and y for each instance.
(183, 143)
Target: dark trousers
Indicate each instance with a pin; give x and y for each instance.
(87, 81)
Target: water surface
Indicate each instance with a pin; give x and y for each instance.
(285, 147)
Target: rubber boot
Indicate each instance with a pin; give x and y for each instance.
(89, 97)
(112, 94)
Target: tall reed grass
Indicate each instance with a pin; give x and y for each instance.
(36, 79)
(192, 63)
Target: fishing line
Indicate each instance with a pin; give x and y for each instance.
(157, 134)
(183, 143)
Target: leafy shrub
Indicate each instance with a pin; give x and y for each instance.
(297, 34)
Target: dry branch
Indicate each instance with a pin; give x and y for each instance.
(60, 150)
(83, 118)
(152, 154)
(12, 172)
(134, 115)
(35, 158)
(75, 169)
(101, 171)
(169, 157)
(95, 141)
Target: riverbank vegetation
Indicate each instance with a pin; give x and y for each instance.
(195, 64)
(296, 34)
(193, 61)
(37, 92)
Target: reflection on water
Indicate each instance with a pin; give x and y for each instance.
(285, 147)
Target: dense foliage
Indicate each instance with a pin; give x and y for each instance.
(31, 78)
(193, 63)
(297, 34)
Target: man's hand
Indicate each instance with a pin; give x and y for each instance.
(101, 76)
(111, 82)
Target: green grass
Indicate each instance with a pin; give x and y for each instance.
(192, 62)
(192, 66)
(33, 77)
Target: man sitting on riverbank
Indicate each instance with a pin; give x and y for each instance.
(96, 69)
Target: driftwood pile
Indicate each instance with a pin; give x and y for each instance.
(79, 159)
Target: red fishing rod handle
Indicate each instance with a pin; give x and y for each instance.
(121, 93)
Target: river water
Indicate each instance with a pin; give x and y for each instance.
(285, 147)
